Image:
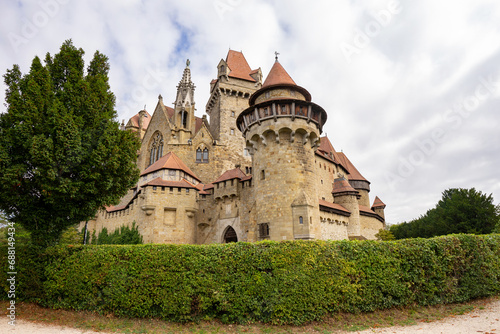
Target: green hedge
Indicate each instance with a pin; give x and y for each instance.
(277, 282)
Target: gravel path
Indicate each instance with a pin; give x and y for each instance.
(486, 321)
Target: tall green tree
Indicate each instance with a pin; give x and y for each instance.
(458, 211)
(62, 153)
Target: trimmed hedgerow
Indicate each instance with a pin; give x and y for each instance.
(278, 282)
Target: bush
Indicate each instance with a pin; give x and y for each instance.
(121, 236)
(277, 282)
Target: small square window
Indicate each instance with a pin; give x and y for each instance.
(232, 131)
(154, 187)
(232, 114)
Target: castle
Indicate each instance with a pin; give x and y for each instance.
(259, 169)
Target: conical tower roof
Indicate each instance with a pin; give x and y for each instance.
(278, 76)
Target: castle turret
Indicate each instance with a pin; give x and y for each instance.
(282, 128)
(347, 196)
(229, 94)
(378, 206)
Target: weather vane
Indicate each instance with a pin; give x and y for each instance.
(276, 53)
(187, 63)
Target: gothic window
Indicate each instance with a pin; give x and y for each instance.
(198, 155)
(202, 155)
(184, 117)
(205, 155)
(156, 150)
(301, 220)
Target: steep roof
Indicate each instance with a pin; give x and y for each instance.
(170, 111)
(198, 123)
(354, 174)
(377, 203)
(327, 151)
(235, 173)
(145, 122)
(238, 65)
(165, 183)
(169, 161)
(278, 76)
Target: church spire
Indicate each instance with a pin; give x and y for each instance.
(185, 89)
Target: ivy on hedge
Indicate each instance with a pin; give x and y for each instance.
(277, 282)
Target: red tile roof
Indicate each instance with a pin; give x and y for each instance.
(230, 174)
(165, 183)
(354, 174)
(170, 112)
(169, 161)
(334, 206)
(327, 151)
(145, 122)
(198, 124)
(366, 211)
(377, 203)
(341, 185)
(238, 65)
(278, 76)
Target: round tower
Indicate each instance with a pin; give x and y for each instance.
(281, 129)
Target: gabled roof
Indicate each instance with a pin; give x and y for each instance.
(169, 161)
(165, 183)
(134, 121)
(377, 203)
(238, 65)
(354, 174)
(335, 206)
(235, 173)
(278, 76)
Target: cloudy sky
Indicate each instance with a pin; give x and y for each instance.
(411, 87)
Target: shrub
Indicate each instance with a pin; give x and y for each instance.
(121, 236)
(278, 282)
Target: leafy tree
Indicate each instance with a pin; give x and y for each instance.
(385, 235)
(62, 154)
(121, 236)
(458, 211)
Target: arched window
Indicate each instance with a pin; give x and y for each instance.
(205, 155)
(184, 116)
(156, 149)
(202, 155)
(301, 220)
(199, 155)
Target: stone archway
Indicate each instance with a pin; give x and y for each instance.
(230, 235)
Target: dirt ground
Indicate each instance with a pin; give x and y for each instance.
(486, 321)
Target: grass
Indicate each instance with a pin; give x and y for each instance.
(333, 324)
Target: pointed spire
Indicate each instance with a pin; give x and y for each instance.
(185, 89)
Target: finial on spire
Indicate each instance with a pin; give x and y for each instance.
(144, 107)
(187, 63)
(276, 53)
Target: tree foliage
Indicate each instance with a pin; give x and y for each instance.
(459, 211)
(62, 154)
(385, 235)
